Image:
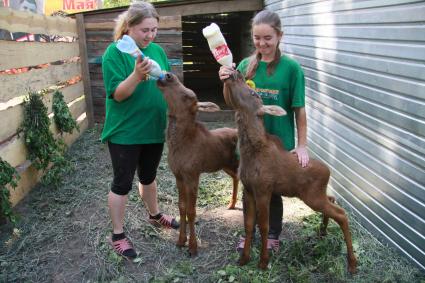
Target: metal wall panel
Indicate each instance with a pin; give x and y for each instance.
(364, 63)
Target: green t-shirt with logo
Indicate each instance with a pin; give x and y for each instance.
(285, 88)
(140, 118)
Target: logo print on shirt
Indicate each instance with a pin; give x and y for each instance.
(268, 93)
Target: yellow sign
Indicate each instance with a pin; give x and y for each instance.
(69, 6)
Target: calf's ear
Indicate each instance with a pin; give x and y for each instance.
(273, 110)
(208, 107)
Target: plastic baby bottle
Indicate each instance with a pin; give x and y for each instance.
(127, 45)
(218, 45)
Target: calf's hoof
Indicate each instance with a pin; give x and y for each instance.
(231, 206)
(262, 265)
(180, 243)
(243, 260)
(352, 265)
(193, 252)
(322, 232)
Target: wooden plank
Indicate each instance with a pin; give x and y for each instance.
(37, 79)
(99, 35)
(12, 117)
(15, 152)
(165, 22)
(20, 21)
(24, 54)
(85, 69)
(170, 35)
(30, 176)
(208, 7)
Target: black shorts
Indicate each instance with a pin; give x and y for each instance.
(127, 158)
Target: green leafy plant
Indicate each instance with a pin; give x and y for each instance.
(38, 138)
(63, 118)
(8, 176)
(43, 149)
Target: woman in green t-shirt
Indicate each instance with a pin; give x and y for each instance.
(135, 120)
(279, 80)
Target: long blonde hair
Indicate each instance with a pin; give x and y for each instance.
(272, 19)
(136, 13)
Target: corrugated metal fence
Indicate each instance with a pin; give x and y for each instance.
(364, 63)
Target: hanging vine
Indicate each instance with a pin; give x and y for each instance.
(8, 176)
(43, 149)
(38, 138)
(63, 117)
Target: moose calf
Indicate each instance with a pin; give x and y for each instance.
(266, 168)
(193, 149)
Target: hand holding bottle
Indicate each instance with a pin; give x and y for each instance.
(142, 68)
(224, 72)
(127, 45)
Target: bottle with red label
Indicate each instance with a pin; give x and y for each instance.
(218, 45)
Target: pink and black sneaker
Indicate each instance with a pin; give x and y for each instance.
(123, 246)
(162, 220)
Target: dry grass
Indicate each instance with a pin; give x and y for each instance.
(61, 236)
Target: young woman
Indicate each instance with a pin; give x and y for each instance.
(279, 80)
(135, 120)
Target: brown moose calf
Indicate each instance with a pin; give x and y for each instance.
(266, 168)
(193, 149)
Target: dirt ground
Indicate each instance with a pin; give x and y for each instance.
(61, 235)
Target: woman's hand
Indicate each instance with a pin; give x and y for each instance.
(225, 72)
(142, 68)
(302, 154)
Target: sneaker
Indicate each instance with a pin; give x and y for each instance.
(164, 220)
(240, 245)
(123, 247)
(273, 245)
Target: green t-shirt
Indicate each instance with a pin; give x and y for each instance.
(285, 88)
(140, 118)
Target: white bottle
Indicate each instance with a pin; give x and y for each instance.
(128, 45)
(218, 45)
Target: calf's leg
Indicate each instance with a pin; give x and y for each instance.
(191, 196)
(324, 226)
(263, 206)
(182, 209)
(249, 222)
(235, 178)
(331, 210)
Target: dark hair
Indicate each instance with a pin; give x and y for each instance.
(272, 19)
(136, 13)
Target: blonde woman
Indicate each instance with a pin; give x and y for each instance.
(135, 121)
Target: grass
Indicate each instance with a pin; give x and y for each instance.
(61, 236)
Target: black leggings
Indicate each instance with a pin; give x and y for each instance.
(127, 158)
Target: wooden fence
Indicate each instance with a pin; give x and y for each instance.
(48, 57)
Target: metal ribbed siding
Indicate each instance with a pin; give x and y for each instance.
(364, 63)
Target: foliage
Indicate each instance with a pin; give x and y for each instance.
(115, 3)
(8, 176)
(120, 3)
(63, 118)
(38, 138)
(42, 147)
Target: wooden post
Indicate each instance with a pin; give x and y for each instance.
(85, 68)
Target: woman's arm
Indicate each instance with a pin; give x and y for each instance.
(301, 123)
(127, 87)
